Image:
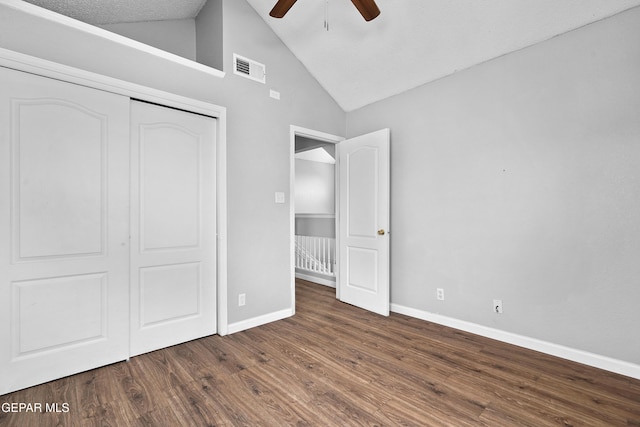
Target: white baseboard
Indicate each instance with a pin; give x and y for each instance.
(258, 321)
(584, 357)
(315, 279)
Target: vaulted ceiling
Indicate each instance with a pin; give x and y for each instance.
(411, 43)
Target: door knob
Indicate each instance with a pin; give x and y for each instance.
(381, 232)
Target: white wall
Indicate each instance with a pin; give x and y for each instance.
(257, 131)
(519, 179)
(314, 187)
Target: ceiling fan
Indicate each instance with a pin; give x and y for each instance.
(367, 8)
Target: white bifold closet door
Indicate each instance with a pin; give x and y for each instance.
(107, 228)
(173, 235)
(64, 229)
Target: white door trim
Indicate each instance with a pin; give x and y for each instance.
(320, 136)
(30, 64)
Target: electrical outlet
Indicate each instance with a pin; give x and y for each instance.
(242, 300)
(440, 294)
(497, 306)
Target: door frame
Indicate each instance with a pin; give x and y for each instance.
(44, 68)
(323, 137)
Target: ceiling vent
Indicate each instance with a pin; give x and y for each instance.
(249, 68)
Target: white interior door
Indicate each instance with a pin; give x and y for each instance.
(364, 187)
(173, 236)
(64, 234)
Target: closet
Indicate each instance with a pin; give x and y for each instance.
(107, 228)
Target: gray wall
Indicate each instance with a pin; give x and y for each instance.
(257, 131)
(175, 36)
(519, 179)
(320, 227)
(210, 35)
(199, 39)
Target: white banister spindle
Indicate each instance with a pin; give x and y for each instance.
(306, 247)
(314, 253)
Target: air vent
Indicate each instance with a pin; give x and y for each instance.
(249, 68)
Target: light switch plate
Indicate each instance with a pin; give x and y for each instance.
(280, 197)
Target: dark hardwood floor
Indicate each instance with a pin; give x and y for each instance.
(335, 365)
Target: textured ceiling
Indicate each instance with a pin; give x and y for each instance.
(118, 11)
(414, 42)
(411, 43)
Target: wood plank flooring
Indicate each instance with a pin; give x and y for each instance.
(336, 365)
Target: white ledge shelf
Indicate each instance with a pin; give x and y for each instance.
(39, 12)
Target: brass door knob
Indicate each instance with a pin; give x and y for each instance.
(381, 232)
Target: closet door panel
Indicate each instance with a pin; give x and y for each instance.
(64, 233)
(49, 157)
(173, 257)
(170, 188)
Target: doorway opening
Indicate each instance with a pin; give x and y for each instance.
(313, 207)
(361, 217)
(315, 214)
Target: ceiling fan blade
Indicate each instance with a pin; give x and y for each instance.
(367, 8)
(281, 8)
